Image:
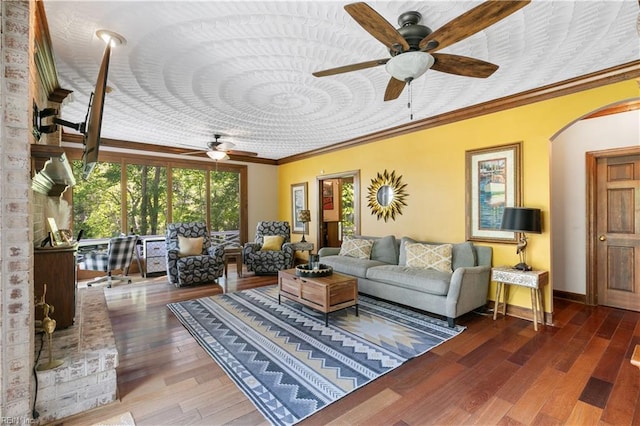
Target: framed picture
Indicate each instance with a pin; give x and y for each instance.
(493, 182)
(327, 195)
(56, 236)
(298, 202)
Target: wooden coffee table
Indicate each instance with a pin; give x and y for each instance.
(324, 294)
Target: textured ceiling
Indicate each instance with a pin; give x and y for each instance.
(243, 69)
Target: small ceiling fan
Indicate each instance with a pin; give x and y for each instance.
(218, 151)
(413, 46)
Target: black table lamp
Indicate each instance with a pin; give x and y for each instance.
(521, 219)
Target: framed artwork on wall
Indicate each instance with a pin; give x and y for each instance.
(327, 195)
(493, 182)
(56, 236)
(298, 202)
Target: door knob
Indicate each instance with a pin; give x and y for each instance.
(603, 238)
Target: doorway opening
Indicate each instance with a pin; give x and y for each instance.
(575, 236)
(338, 207)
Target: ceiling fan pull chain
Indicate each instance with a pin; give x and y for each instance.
(410, 104)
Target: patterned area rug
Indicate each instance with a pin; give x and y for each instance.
(288, 363)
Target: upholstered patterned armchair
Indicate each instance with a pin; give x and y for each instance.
(268, 253)
(190, 257)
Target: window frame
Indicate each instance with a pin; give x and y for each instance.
(125, 158)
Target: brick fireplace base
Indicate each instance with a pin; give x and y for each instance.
(87, 379)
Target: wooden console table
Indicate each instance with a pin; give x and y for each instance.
(56, 267)
(324, 294)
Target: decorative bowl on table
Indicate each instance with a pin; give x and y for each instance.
(306, 271)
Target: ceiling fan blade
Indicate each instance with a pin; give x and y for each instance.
(242, 153)
(463, 65)
(469, 23)
(394, 88)
(376, 25)
(202, 151)
(352, 67)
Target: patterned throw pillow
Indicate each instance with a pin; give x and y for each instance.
(272, 242)
(356, 247)
(189, 246)
(429, 256)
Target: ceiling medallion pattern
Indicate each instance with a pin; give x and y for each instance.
(244, 68)
(386, 195)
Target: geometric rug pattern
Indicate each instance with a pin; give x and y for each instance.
(288, 363)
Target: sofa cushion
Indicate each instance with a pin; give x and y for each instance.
(350, 265)
(356, 247)
(462, 254)
(385, 249)
(402, 256)
(429, 256)
(424, 280)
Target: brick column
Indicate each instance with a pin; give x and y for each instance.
(16, 235)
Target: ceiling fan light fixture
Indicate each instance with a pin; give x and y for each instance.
(217, 155)
(409, 65)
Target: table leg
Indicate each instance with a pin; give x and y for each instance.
(497, 302)
(239, 265)
(534, 308)
(326, 319)
(357, 314)
(539, 294)
(505, 293)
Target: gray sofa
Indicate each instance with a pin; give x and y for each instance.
(386, 276)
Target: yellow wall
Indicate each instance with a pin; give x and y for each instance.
(432, 163)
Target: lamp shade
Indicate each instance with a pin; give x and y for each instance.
(304, 216)
(521, 219)
(217, 155)
(409, 65)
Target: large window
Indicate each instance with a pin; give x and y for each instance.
(189, 198)
(96, 202)
(126, 194)
(147, 199)
(225, 205)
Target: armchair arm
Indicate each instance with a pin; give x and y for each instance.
(172, 255)
(328, 251)
(172, 265)
(289, 254)
(216, 251)
(249, 248)
(468, 289)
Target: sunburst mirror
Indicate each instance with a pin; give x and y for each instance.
(386, 195)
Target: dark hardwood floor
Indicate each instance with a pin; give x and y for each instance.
(576, 372)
